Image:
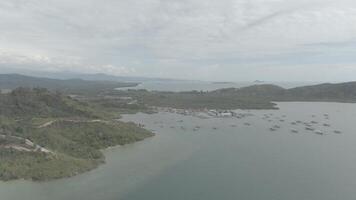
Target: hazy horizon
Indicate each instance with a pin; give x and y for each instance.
(65, 75)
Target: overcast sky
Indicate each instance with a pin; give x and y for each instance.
(235, 40)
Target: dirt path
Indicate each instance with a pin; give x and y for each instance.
(47, 124)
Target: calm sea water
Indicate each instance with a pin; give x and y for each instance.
(233, 161)
(178, 86)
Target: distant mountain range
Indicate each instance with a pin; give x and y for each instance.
(91, 76)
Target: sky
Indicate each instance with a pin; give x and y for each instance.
(217, 40)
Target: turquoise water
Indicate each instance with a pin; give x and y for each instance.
(233, 161)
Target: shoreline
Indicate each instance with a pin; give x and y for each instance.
(99, 163)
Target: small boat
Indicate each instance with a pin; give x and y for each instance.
(276, 126)
(308, 125)
(309, 128)
(319, 132)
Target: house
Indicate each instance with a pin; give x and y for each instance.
(226, 114)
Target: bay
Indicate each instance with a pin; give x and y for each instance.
(222, 159)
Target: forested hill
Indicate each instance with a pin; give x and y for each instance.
(339, 92)
(47, 135)
(39, 102)
(12, 81)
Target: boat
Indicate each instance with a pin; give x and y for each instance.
(276, 126)
(309, 128)
(319, 132)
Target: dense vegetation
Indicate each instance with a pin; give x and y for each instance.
(41, 103)
(341, 92)
(67, 135)
(40, 166)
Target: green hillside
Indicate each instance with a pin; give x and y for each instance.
(46, 135)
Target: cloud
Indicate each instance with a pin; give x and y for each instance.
(112, 69)
(174, 38)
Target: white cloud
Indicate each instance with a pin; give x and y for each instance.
(169, 38)
(113, 70)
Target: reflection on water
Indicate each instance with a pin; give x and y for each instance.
(222, 158)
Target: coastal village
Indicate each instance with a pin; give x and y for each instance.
(204, 113)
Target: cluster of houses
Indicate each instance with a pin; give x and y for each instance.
(221, 113)
(203, 113)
